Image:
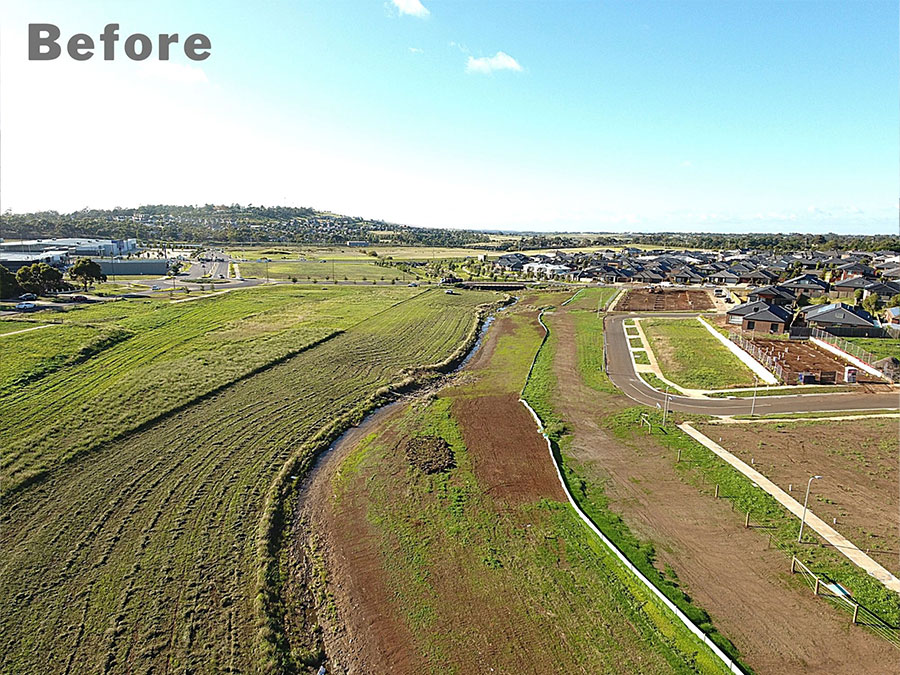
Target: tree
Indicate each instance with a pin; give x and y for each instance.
(858, 295)
(9, 287)
(40, 279)
(894, 301)
(872, 304)
(86, 272)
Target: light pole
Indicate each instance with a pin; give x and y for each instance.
(666, 409)
(753, 403)
(805, 500)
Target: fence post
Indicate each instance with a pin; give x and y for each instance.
(855, 612)
(793, 564)
(717, 490)
(816, 589)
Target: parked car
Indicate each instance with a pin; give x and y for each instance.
(413, 284)
(154, 288)
(25, 306)
(27, 296)
(79, 298)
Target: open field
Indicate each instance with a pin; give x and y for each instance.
(590, 298)
(322, 271)
(881, 348)
(11, 326)
(161, 543)
(164, 355)
(691, 357)
(665, 300)
(802, 356)
(313, 253)
(858, 459)
(628, 481)
(478, 567)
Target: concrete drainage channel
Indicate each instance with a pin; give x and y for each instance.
(681, 616)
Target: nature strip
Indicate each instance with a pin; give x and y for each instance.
(728, 662)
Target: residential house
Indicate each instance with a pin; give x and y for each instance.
(806, 284)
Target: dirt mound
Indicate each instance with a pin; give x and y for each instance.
(430, 454)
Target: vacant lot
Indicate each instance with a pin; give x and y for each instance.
(802, 356)
(142, 555)
(691, 357)
(664, 300)
(480, 567)
(881, 348)
(858, 459)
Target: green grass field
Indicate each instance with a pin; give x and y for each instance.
(154, 552)
(354, 254)
(881, 348)
(308, 271)
(174, 353)
(11, 326)
(690, 357)
(590, 298)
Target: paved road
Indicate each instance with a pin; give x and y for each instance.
(622, 373)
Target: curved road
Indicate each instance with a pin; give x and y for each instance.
(621, 371)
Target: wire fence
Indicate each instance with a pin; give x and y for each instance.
(841, 597)
(846, 346)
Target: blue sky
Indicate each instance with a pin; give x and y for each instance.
(711, 116)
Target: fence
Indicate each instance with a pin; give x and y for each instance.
(768, 361)
(801, 332)
(843, 345)
(842, 598)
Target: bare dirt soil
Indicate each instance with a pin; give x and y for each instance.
(802, 356)
(777, 626)
(665, 300)
(510, 458)
(858, 459)
(429, 454)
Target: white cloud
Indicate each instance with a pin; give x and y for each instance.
(411, 7)
(416, 50)
(687, 164)
(488, 64)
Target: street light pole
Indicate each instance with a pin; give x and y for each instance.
(755, 387)
(666, 409)
(805, 501)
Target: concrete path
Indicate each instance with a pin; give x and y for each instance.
(838, 418)
(824, 530)
(27, 330)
